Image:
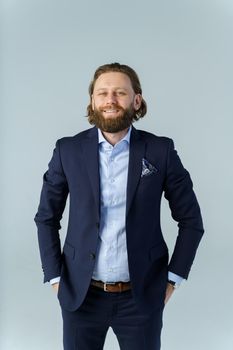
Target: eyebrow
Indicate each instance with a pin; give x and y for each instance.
(117, 88)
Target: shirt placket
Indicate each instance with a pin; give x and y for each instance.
(111, 244)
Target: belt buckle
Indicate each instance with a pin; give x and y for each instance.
(105, 285)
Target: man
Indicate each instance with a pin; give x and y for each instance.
(113, 269)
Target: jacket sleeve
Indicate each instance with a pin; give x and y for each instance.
(185, 210)
(52, 203)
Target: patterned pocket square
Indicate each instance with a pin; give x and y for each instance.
(147, 168)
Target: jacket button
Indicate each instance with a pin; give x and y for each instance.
(92, 256)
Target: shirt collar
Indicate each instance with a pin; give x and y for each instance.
(125, 138)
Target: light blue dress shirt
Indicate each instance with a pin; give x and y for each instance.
(111, 256)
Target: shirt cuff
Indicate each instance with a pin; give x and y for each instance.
(175, 278)
(55, 280)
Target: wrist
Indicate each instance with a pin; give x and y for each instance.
(175, 285)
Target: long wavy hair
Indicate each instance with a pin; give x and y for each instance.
(121, 68)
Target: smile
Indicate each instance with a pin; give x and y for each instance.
(111, 110)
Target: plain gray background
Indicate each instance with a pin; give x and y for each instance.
(183, 53)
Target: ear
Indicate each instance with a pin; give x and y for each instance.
(92, 102)
(137, 101)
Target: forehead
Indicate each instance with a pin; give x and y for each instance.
(113, 80)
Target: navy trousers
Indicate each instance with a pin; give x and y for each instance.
(86, 328)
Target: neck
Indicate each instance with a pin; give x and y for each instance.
(113, 138)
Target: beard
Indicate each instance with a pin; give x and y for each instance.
(113, 124)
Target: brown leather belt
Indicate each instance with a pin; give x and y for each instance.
(112, 287)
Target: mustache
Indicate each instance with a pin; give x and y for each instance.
(115, 106)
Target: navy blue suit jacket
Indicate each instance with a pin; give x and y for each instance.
(74, 170)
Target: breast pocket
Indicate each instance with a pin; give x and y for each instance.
(152, 179)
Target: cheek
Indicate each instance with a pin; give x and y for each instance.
(97, 102)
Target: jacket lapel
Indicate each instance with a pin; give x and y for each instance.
(136, 153)
(91, 158)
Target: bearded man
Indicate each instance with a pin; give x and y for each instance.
(114, 268)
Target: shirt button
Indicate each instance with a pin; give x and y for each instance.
(112, 180)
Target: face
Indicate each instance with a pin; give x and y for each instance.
(114, 102)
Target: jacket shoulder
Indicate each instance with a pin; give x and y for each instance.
(155, 139)
(69, 140)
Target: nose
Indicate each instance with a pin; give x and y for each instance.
(111, 98)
